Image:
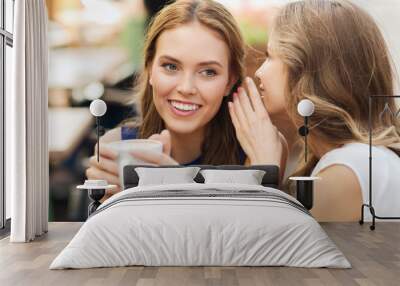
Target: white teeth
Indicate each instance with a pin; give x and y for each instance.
(184, 106)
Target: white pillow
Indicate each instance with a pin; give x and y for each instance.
(164, 176)
(248, 177)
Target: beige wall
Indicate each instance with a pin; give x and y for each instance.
(387, 13)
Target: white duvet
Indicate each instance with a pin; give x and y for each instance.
(190, 230)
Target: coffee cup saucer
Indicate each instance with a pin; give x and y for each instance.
(304, 178)
(96, 185)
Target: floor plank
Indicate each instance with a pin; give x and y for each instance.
(375, 257)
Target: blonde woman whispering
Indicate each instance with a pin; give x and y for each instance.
(332, 53)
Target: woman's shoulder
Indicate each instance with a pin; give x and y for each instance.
(129, 132)
(356, 157)
(347, 169)
(359, 151)
(123, 132)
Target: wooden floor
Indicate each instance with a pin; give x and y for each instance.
(375, 257)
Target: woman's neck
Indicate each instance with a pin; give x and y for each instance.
(288, 130)
(320, 148)
(186, 148)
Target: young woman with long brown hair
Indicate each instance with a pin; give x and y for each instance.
(193, 59)
(332, 53)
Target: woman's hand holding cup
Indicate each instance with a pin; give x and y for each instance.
(115, 154)
(163, 158)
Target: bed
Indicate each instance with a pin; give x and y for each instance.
(201, 224)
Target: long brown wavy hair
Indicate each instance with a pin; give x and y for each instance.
(220, 145)
(336, 57)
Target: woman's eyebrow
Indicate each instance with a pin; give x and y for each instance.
(166, 57)
(206, 63)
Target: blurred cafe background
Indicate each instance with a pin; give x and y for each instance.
(95, 52)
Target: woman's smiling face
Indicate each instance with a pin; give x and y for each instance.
(189, 77)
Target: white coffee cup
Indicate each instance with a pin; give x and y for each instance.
(124, 147)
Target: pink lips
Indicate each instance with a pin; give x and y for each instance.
(182, 112)
(262, 90)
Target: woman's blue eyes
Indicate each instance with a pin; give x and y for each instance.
(174, 67)
(170, 67)
(209, 73)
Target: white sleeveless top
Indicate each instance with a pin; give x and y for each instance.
(385, 175)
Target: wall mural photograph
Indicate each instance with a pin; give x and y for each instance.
(200, 142)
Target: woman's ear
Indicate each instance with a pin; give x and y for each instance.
(150, 79)
(150, 66)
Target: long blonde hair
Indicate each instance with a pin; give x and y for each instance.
(336, 56)
(220, 143)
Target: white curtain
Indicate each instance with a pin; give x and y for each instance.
(26, 124)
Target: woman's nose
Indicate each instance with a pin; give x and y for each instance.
(258, 72)
(187, 85)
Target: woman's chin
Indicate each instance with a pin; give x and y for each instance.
(182, 128)
(275, 110)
